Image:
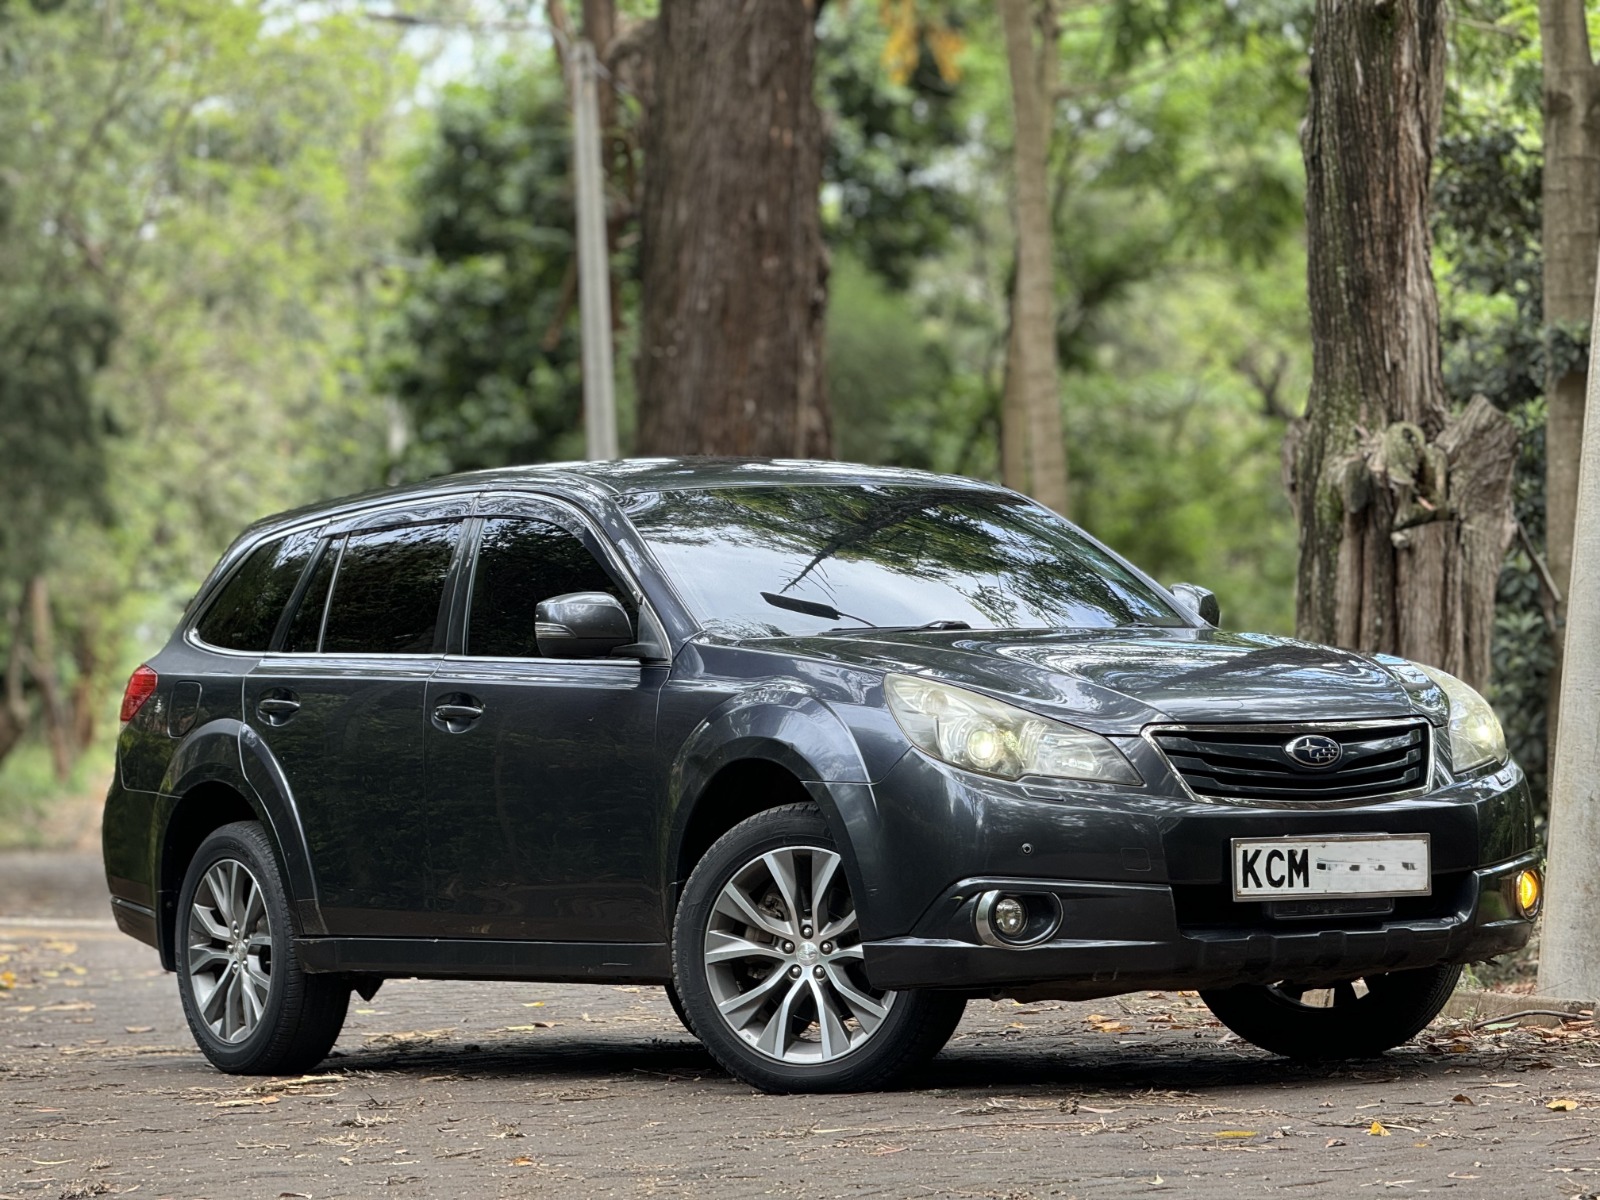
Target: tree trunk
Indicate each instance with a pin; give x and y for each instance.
(1571, 238)
(41, 662)
(13, 703)
(734, 274)
(1033, 448)
(1404, 513)
(1569, 956)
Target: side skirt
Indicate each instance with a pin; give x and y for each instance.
(439, 958)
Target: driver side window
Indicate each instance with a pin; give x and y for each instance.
(520, 562)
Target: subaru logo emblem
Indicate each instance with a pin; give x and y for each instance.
(1314, 750)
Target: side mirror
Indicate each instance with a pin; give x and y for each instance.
(581, 625)
(1199, 601)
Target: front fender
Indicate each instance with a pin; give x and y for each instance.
(797, 731)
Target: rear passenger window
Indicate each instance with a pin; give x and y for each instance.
(387, 592)
(521, 562)
(245, 613)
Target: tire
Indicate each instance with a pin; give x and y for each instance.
(1339, 1021)
(677, 1007)
(741, 902)
(251, 1007)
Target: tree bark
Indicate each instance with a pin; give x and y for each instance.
(734, 273)
(1569, 958)
(41, 662)
(1571, 237)
(1033, 448)
(1404, 512)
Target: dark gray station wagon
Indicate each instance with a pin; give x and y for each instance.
(826, 750)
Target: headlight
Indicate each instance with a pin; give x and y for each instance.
(976, 733)
(1475, 734)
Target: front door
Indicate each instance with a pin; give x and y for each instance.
(341, 708)
(541, 780)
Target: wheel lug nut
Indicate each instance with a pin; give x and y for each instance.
(788, 947)
(827, 947)
(794, 971)
(805, 931)
(818, 972)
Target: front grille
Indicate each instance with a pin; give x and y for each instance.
(1250, 762)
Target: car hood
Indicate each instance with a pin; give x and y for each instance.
(1118, 680)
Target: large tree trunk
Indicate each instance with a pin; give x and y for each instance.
(1571, 242)
(1569, 959)
(1404, 513)
(1033, 449)
(733, 265)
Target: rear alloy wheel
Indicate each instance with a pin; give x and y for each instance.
(768, 961)
(1356, 1018)
(250, 1006)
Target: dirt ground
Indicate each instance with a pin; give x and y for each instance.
(468, 1090)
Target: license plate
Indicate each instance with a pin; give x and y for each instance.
(1370, 864)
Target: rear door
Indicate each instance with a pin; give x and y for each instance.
(340, 706)
(544, 803)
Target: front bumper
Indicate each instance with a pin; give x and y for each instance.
(1117, 938)
(1142, 881)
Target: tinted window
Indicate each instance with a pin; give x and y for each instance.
(888, 556)
(387, 592)
(245, 614)
(305, 627)
(521, 562)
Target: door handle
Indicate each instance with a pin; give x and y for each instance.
(458, 712)
(275, 710)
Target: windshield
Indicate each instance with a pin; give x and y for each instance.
(888, 556)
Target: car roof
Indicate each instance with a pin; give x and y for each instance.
(629, 475)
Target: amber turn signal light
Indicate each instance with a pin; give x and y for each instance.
(1530, 892)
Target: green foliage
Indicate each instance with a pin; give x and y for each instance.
(198, 201)
(886, 198)
(1486, 230)
(485, 355)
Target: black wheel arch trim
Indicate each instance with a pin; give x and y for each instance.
(799, 733)
(228, 753)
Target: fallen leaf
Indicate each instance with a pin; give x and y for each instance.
(1157, 1181)
(1376, 1129)
(522, 1160)
(1562, 1105)
(1462, 1098)
(1332, 1142)
(138, 1028)
(1235, 1133)
(7, 980)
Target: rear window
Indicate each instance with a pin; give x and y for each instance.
(388, 589)
(246, 612)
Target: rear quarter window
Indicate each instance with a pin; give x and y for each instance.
(246, 611)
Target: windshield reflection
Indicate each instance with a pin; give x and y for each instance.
(895, 555)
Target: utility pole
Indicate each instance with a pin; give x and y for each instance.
(594, 267)
(1569, 955)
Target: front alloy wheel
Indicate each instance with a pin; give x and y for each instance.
(767, 958)
(783, 959)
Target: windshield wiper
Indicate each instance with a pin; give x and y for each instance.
(811, 608)
(815, 608)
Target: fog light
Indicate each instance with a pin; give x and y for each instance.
(1009, 917)
(1529, 893)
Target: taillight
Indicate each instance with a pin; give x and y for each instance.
(141, 684)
